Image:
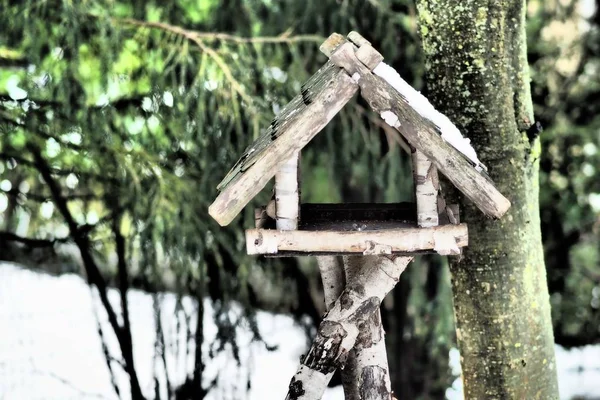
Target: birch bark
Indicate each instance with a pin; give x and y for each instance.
(287, 198)
(338, 332)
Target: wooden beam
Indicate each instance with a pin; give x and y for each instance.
(422, 134)
(321, 99)
(444, 239)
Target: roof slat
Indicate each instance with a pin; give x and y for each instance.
(422, 134)
(322, 97)
(280, 123)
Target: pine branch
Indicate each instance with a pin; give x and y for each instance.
(40, 198)
(199, 39)
(60, 172)
(92, 270)
(283, 38)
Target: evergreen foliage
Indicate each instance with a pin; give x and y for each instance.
(135, 110)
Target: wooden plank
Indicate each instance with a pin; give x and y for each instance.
(422, 134)
(365, 53)
(261, 218)
(321, 100)
(445, 239)
(357, 39)
(369, 56)
(280, 123)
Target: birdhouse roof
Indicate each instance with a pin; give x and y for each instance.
(354, 65)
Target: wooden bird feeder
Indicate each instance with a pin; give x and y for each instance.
(286, 227)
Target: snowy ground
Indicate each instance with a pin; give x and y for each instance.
(50, 348)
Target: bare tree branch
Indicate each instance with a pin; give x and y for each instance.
(31, 242)
(93, 272)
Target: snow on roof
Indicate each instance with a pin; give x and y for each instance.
(449, 131)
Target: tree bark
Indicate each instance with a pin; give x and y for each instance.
(477, 74)
(339, 330)
(366, 375)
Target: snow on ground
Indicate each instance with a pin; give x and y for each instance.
(50, 348)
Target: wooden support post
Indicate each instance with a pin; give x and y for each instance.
(287, 195)
(426, 189)
(366, 374)
(339, 330)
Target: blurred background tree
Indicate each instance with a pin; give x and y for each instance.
(118, 119)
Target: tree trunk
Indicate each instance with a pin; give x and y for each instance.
(477, 74)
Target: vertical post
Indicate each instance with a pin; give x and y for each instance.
(287, 195)
(426, 188)
(366, 375)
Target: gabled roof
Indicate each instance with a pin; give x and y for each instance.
(323, 96)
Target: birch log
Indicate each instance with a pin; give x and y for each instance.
(287, 200)
(426, 188)
(403, 240)
(332, 275)
(339, 330)
(366, 374)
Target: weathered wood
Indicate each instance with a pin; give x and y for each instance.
(260, 217)
(369, 352)
(422, 134)
(358, 39)
(321, 99)
(365, 52)
(287, 196)
(339, 330)
(444, 239)
(426, 188)
(288, 254)
(331, 43)
(369, 56)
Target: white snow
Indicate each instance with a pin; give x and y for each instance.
(449, 131)
(50, 349)
(391, 119)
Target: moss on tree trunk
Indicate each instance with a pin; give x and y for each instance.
(477, 73)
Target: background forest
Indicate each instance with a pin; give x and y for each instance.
(119, 118)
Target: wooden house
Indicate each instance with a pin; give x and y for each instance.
(287, 227)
